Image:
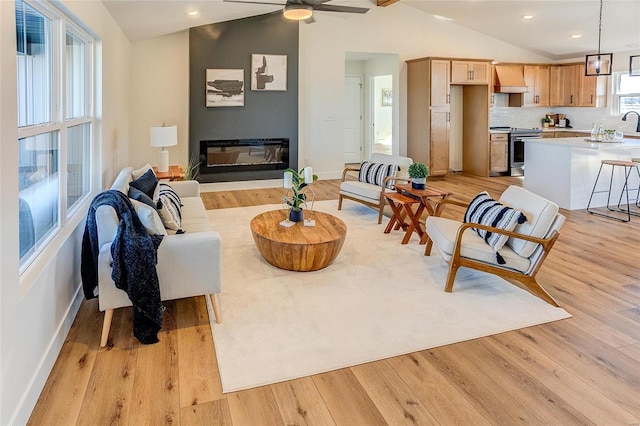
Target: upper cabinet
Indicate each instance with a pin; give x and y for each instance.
(570, 87)
(470, 72)
(536, 77)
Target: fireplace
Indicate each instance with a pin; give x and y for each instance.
(243, 159)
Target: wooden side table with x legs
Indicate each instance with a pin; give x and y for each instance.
(401, 203)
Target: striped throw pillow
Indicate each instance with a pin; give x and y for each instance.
(486, 211)
(169, 207)
(375, 173)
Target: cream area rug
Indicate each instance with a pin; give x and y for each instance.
(377, 300)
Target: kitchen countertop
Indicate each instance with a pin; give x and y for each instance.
(581, 142)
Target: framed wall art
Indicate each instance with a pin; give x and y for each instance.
(225, 87)
(268, 72)
(387, 97)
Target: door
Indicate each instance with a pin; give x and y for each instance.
(353, 134)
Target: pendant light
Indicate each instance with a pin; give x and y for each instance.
(600, 64)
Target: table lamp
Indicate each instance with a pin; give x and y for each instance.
(162, 136)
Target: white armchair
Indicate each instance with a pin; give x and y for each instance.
(527, 247)
(367, 193)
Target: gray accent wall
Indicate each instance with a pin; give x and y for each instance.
(265, 114)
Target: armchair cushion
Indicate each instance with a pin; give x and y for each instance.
(486, 211)
(361, 190)
(443, 233)
(540, 212)
(374, 173)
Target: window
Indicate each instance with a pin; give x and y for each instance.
(626, 93)
(55, 122)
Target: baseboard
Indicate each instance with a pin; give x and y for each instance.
(30, 397)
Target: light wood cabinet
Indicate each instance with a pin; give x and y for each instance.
(428, 113)
(536, 78)
(499, 153)
(470, 72)
(565, 134)
(570, 87)
(590, 89)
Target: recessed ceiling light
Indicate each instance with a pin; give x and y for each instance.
(576, 35)
(193, 13)
(527, 17)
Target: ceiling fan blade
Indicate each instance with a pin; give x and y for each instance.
(253, 2)
(347, 9)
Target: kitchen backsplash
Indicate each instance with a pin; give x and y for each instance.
(579, 118)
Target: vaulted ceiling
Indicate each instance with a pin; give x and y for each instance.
(548, 32)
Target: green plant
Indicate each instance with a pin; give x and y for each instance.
(192, 170)
(298, 196)
(418, 171)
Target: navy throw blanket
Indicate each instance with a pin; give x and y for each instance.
(134, 254)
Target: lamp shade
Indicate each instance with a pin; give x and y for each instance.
(164, 135)
(297, 12)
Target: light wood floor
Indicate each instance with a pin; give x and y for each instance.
(583, 370)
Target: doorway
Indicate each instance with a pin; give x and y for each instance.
(382, 114)
(379, 130)
(353, 134)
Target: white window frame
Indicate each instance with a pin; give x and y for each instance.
(615, 92)
(61, 25)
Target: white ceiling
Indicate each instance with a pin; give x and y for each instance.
(548, 33)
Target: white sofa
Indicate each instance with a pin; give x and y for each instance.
(189, 264)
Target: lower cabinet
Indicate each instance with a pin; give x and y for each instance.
(439, 142)
(498, 153)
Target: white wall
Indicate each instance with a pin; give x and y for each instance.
(160, 93)
(37, 308)
(399, 29)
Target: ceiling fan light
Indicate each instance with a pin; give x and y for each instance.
(297, 12)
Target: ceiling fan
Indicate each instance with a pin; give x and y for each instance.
(299, 10)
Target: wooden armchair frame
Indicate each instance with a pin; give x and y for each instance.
(528, 280)
(381, 202)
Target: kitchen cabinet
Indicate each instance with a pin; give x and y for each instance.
(591, 91)
(499, 153)
(428, 113)
(536, 78)
(564, 134)
(570, 87)
(470, 72)
(429, 117)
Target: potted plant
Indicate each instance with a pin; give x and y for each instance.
(418, 173)
(192, 170)
(546, 122)
(297, 181)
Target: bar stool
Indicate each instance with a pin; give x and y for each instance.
(637, 160)
(628, 166)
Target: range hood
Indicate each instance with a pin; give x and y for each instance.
(510, 79)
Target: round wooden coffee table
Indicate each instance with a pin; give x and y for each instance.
(299, 247)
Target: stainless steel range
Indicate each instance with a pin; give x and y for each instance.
(517, 139)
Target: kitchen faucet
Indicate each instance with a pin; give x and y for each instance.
(624, 118)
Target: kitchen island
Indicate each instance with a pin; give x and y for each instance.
(564, 169)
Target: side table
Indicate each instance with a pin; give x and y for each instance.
(174, 173)
(422, 196)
